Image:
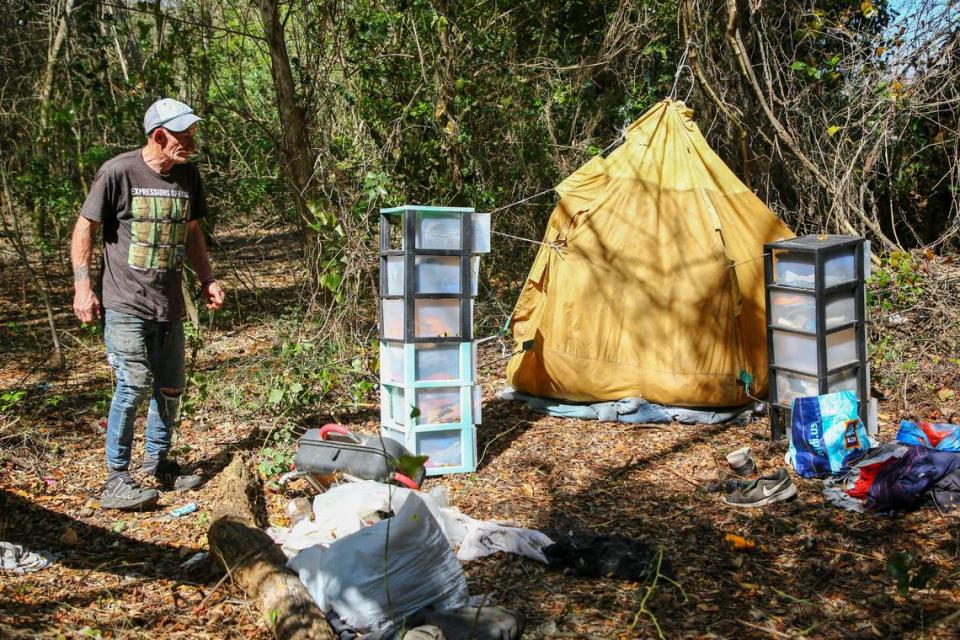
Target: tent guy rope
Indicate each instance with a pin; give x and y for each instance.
(623, 134)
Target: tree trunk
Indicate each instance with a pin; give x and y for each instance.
(17, 238)
(293, 118)
(295, 139)
(46, 89)
(250, 557)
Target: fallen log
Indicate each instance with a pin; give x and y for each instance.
(251, 559)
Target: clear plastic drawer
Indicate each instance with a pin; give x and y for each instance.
(437, 318)
(796, 269)
(392, 319)
(443, 448)
(438, 405)
(791, 385)
(800, 352)
(799, 311)
(437, 361)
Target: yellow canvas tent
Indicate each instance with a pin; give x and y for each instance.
(650, 281)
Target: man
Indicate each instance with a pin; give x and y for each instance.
(148, 202)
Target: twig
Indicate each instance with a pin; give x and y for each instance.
(772, 632)
(497, 437)
(674, 473)
(790, 597)
(946, 620)
(851, 553)
(646, 596)
(680, 513)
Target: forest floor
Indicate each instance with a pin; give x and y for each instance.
(816, 571)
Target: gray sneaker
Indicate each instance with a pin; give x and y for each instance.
(762, 491)
(123, 493)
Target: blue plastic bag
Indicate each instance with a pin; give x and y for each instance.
(942, 437)
(824, 431)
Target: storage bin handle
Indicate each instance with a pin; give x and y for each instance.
(327, 429)
(405, 481)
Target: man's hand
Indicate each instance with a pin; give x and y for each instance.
(214, 294)
(85, 303)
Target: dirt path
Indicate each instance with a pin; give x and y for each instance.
(816, 572)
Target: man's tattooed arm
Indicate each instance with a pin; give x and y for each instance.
(81, 272)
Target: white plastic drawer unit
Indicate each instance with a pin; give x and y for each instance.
(436, 318)
(439, 405)
(430, 269)
(791, 310)
(392, 362)
(444, 448)
(434, 274)
(433, 318)
(437, 362)
(816, 325)
(793, 385)
(436, 231)
(392, 317)
(796, 351)
(794, 269)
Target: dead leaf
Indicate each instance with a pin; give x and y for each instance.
(739, 543)
(946, 394)
(69, 536)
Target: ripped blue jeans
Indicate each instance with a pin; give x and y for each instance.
(147, 358)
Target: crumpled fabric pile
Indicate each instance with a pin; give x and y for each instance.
(19, 560)
(896, 477)
(350, 507)
(376, 556)
(385, 572)
(942, 437)
(628, 411)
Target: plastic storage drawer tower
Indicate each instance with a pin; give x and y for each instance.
(429, 266)
(816, 340)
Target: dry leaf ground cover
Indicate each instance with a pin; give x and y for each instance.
(815, 571)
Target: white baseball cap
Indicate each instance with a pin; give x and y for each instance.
(170, 114)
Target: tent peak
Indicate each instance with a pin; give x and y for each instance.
(658, 110)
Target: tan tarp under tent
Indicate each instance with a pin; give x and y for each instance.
(650, 279)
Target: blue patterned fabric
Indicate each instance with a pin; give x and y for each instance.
(824, 431)
(942, 437)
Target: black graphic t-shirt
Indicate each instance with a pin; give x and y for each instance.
(144, 217)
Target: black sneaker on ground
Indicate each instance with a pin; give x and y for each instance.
(170, 477)
(123, 493)
(762, 491)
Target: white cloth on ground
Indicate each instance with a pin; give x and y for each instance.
(386, 571)
(346, 509)
(16, 559)
(349, 507)
(484, 538)
(836, 495)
